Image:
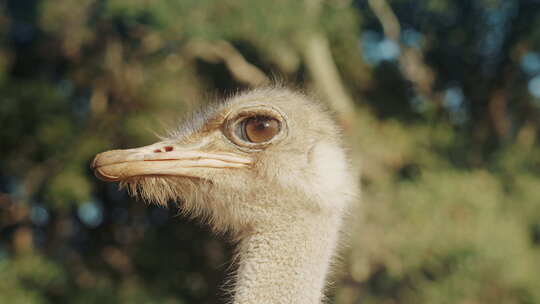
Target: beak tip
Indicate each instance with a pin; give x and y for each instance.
(97, 161)
(104, 177)
(95, 166)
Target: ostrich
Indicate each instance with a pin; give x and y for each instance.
(267, 166)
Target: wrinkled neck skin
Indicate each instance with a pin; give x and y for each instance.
(288, 261)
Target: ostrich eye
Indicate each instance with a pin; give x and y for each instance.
(255, 127)
(260, 129)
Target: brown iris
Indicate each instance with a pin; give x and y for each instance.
(260, 129)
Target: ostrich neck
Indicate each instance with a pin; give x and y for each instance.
(287, 263)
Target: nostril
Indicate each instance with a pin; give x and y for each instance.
(157, 150)
(168, 149)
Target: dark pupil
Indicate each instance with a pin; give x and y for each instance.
(260, 128)
(261, 125)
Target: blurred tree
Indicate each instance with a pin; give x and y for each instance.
(439, 99)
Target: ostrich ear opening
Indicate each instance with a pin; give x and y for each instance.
(162, 159)
(329, 165)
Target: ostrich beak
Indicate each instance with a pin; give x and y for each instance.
(161, 159)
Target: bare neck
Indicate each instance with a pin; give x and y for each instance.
(287, 263)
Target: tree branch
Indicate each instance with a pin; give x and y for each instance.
(325, 74)
(223, 51)
(411, 60)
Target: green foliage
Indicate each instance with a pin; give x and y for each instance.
(438, 234)
(67, 187)
(27, 278)
(451, 207)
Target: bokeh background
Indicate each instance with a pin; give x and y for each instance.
(439, 101)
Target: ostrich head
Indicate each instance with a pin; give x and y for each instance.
(266, 166)
(266, 156)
